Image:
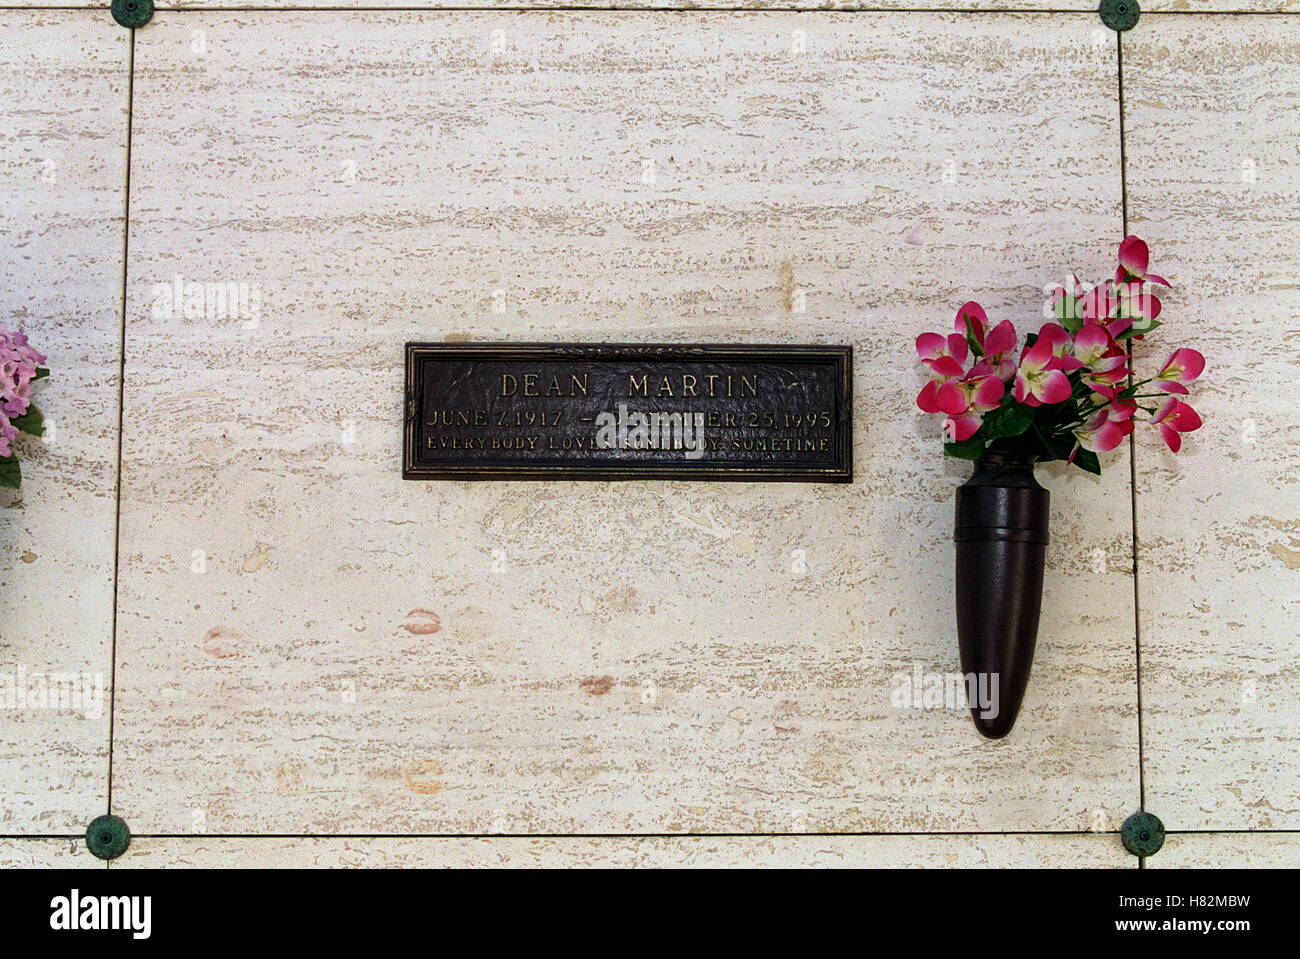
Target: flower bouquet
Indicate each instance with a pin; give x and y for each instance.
(20, 366)
(1068, 393)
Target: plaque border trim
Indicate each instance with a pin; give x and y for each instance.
(841, 356)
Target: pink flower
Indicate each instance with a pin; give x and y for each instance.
(1095, 352)
(1181, 368)
(1119, 410)
(1099, 303)
(15, 384)
(1175, 418)
(1103, 306)
(1133, 260)
(1058, 337)
(998, 347)
(18, 366)
(7, 433)
(1105, 375)
(937, 352)
(979, 321)
(967, 400)
(945, 356)
(996, 344)
(1089, 347)
(1039, 378)
(1103, 432)
(964, 396)
(928, 398)
(1136, 308)
(18, 341)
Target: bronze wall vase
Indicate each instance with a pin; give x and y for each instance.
(1001, 536)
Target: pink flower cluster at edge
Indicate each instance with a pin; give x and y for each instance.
(966, 383)
(18, 363)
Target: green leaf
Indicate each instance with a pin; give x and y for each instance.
(1069, 312)
(970, 449)
(1087, 461)
(1133, 331)
(10, 475)
(41, 373)
(1009, 419)
(31, 422)
(971, 341)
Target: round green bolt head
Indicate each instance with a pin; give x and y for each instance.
(1142, 834)
(132, 13)
(1120, 14)
(107, 837)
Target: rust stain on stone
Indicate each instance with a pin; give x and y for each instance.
(422, 622)
(419, 777)
(785, 282)
(624, 598)
(597, 685)
(256, 559)
(222, 642)
(290, 777)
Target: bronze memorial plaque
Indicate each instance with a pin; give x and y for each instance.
(625, 411)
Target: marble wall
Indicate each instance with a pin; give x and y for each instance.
(297, 643)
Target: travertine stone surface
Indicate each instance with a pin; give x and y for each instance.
(1214, 183)
(1258, 850)
(47, 854)
(309, 644)
(1100, 851)
(1082, 6)
(164, 8)
(63, 103)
